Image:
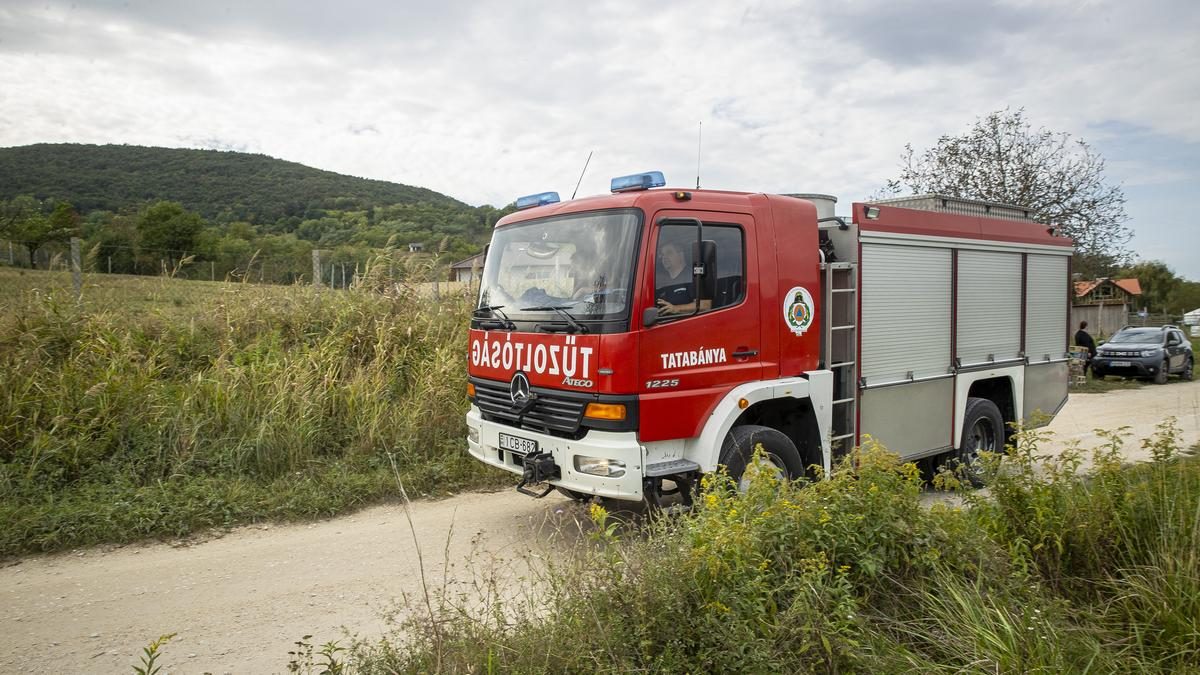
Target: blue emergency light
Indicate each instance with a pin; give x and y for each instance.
(638, 181)
(540, 199)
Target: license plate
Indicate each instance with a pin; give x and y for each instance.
(1120, 364)
(516, 444)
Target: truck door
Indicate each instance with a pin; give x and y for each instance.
(700, 347)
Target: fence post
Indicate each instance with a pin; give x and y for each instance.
(110, 264)
(76, 268)
(316, 268)
(212, 270)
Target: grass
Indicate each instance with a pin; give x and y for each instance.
(1051, 570)
(158, 407)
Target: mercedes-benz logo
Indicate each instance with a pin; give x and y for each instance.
(518, 389)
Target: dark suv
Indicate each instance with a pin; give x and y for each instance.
(1145, 352)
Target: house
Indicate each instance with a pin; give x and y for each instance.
(468, 270)
(1105, 304)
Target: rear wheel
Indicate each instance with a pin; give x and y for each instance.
(780, 456)
(983, 431)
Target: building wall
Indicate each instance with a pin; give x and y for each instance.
(1102, 319)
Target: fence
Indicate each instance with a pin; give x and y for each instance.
(325, 268)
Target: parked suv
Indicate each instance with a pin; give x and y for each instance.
(1151, 353)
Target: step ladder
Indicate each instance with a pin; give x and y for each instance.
(839, 348)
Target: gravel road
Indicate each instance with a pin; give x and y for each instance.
(240, 600)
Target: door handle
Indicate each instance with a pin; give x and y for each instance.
(744, 352)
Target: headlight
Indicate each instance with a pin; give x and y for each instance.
(1149, 352)
(600, 466)
(473, 434)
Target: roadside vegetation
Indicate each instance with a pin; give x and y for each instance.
(1070, 563)
(158, 407)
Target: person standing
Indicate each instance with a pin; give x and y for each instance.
(1084, 339)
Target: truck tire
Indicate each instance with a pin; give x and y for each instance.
(982, 431)
(1164, 369)
(738, 450)
(573, 495)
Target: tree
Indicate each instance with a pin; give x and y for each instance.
(22, 221)
(166, 230)
(1158, 283)
(1002, 158)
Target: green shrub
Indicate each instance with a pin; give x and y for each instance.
(1058, 570)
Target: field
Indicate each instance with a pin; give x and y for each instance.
(157, 407)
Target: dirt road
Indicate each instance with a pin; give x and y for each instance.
(238, 602)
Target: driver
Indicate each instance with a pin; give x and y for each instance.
(674, 286)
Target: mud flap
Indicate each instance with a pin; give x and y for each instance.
(538, 467)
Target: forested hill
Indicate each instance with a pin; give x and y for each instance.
(221, 186)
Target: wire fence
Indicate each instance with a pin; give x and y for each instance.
(335, 269)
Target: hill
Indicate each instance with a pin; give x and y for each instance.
(222, 186)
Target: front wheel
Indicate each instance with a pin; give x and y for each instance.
(779, 457)
(1187, 373)
(1164, 369)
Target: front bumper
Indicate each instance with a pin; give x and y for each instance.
(483, 443)
(1130, 366)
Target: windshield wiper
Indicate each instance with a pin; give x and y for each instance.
(494, 310)
(562, 311)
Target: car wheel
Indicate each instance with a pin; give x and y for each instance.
(1187, 374)
(983, 431)
(781, 456)
(1164, 369)
(1097, 374)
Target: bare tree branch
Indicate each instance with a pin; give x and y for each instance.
(1002, 158)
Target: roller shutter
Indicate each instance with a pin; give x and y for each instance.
(989, 306)
(1046, 293)
(905, 312)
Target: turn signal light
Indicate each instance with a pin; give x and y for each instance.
(470, 390)
(605, 411)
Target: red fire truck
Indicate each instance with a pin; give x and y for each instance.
(625, 344)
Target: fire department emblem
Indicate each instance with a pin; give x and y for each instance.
(798, 310)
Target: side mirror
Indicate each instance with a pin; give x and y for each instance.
(649, 316)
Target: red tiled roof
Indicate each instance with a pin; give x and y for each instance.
(1082, 288)
(1130, 286)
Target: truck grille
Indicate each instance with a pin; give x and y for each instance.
(553, 411)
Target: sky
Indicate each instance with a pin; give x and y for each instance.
(487, 101)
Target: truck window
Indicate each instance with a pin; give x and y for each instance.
(675, 287)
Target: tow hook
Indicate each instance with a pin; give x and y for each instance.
(539, 467)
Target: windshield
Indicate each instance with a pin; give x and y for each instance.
(581, 263)
(1144, 337)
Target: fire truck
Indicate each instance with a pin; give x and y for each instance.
(626, 344)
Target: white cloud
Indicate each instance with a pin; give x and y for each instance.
(487, 101)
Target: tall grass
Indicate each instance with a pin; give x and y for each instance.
(252, 403)
(1059, 570)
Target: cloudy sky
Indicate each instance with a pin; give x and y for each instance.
(487, 101)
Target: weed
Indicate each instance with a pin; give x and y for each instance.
(1065, 564)
(220, 404)
(150, 654)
